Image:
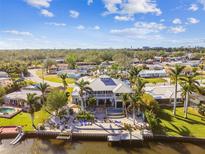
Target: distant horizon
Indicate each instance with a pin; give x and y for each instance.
(140, 48)
(100, 24)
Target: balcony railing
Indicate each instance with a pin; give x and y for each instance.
(103, 95)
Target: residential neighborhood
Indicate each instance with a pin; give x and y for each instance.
(102, 77)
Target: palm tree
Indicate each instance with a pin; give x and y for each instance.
(201, 66)
(83, 85)
(34, 106)
(125, 100)
(134, 74)
(55, 101)
(43, 87)
(189, 84)
(174, 74)
(137, 95)
(63, 78)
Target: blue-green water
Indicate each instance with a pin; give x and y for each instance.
(6, 110)
(36, 146)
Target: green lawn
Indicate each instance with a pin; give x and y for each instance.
(54, 78)
(23, 119)
(179, 126)
(154, 80)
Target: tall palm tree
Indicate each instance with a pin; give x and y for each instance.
(201, 66)
(189, 84)
(134, 74)
(125, 100)
(136, 97)
(34, 106)
(83, 85)
(174, 74)
(63, 78)
(43, 87)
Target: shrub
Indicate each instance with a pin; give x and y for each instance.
(201, 110)
(85, 116)
(152, 119)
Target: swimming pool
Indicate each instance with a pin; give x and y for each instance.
(6, 110)
(9, 112)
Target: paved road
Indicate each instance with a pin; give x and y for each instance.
(34, 77)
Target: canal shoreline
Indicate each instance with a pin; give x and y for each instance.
(103, 137)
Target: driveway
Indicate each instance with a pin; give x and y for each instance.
(34, 77)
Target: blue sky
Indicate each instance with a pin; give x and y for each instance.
(101, 23)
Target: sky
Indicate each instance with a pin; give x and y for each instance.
(66, 24)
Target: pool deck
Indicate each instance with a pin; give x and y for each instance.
(17, 111)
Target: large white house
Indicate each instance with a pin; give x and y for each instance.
(107, 91)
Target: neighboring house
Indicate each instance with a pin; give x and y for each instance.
(155, 67)
(4, 79)
(53, 69)
(152, 73)
(18, 98)
(149, 61)
(135, 61)
(4, 75)
(62, 67)
(60, 61)
(72, 73)
(197, 99)
(163, 94)
(193, 63)
(107, 91)
(86, 65)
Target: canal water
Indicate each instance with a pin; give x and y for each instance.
(37, 146)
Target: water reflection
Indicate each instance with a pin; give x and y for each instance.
(36, 146)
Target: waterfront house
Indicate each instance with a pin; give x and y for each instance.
(18, 98)
(106, 90)
(164, 94)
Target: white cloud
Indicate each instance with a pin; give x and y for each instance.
(142, 30)
(193, 7)
(55, 24)
(16, 32)
(90, 2)
(202, 2)
(39, 3)
(150, 26)
(80, 27)
(162, 20)
(74, 14)
(177, 21)
(131, 7)
(177, 29)
(193, 21)
(123, 18)
(96, 27)
(47, 13)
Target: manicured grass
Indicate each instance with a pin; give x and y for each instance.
(154, 80)
(194, 125)
(54, 78)
(23, 119)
